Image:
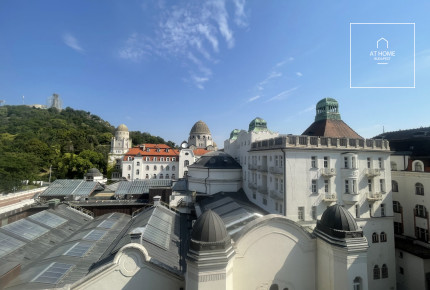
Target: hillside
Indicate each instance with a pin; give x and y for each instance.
(71, 141)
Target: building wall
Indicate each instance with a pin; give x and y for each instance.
(211, 181)
(414, 267)
(136, 168)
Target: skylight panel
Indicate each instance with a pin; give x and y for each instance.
(78, 250)
(53, 273)
(26, 229)
(49, 219)
(8, 244)
(94, 235)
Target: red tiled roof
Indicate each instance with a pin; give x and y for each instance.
(151, 151)
(331, 128)
(200, 151)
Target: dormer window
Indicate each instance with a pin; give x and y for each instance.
(155, 159)
(158, 150)
(129, 158)
(147, 149)
(167, 149)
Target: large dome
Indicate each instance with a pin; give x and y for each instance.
(338, 222)
(209, 232)
(122, 127)
(216, 160)
(200, 127)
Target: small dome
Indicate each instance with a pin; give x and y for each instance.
(218, 160)
(257, 124)
(339, 222)
(327, 109)
(122, 127)
(234, 134)
(209, 232)
(200, 127)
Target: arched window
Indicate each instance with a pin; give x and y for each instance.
(356, 284)
(420, 211)
(397, 207)
(418, 166)
(138, 163)
(186, 163)
(274, 287)
(147, 167)
(375, 238)
(147, 176)
(384, 271)
(161, 176)
(162, 167)
(395, 186)
(383, 237)
(419, 188)
(155, 176)
(376, 272)
(173, 176)
(167, 168)
(393, 166)
(155, 167)
(167, 176)
(154, 159)
(173, 168)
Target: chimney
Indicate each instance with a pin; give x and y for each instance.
(157, 200)
(136, 235)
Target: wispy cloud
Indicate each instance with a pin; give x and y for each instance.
(72, 42)
(253, 99)
(283, 95)
(308, 109)
(299, 74)
(274, 73)
(195, 32)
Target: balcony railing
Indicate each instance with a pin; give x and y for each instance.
(372, 172)
(252, 167)
(329, 197)
(262, 190)
(328, 172)
(262, 168)
(374, 196)
(317, 142)
(276, 170)
(275, 194)
(252, 185)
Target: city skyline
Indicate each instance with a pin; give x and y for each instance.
(159, 68)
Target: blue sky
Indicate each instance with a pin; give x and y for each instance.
(160, 66)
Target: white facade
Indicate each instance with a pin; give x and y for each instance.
(186, 158)
(211, 181)
(120, 144)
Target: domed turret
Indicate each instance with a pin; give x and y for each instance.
(122, 127)
(215, 160)
(338, 222)
(257, 124)
(327, 109)
(200, 127)
(234, 134)
(209, 233)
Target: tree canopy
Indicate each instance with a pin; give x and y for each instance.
(70, 141)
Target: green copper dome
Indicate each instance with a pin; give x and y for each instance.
(257, 125)
(327, 109)
(234, 133)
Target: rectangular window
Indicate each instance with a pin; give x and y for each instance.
(401, 271)
(155, 159)
(276, 184)
(326, 161)
(380, 162)
(254, 196)
(382, 185)
(345, 161)
(167, 158)
(301, 213)
(314, 212)
(422, 234)
(314, 162)
(276, 206)
(138, 163)
(281, 161)
(369, 162)
(276, 161)
(326, 186)
(314, 186)
(347, 186)
(398, 228)
(161, 158)
(357, 211)
(264, 201)
(382, 209)
(370, 210)
(354, 186)
(369, 185)
(281, 186)
(137, 172)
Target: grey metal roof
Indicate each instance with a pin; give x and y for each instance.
(141, 186)
(216, 160)
(75, 251)
(65, 187)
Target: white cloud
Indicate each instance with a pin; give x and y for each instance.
(299, 74)
(194, 32)
(72, 42)
(283, 95)
(308, 109)
(253, 99)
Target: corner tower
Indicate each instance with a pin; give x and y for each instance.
(120, 144)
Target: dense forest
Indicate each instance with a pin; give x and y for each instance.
(69, 142)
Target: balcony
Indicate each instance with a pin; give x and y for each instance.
(262, 189)
(329, 197)
(350, 198)
(275, 194)
(373, 172)
(252, 166)
(276, 170)
(262, 168)
(374, 196)
(349, 172)
(328, 172)
(252, 185)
